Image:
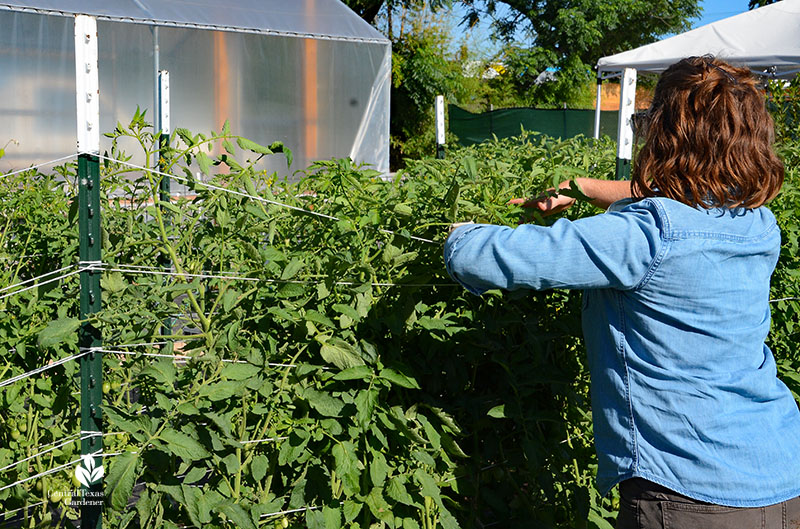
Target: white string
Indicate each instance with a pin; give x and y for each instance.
(181, 357)
(56, 442)
(261, 199)
(204, 275)
(263, 440)
(39, 165)
(6, 514)
(36, 278)
(65, 443)
(59, 278)
(290, 511)
(45, 473)
(43, 368)
(783, 299)
(148, 344)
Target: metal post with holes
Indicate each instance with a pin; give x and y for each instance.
(627, 103)
(89, 208)
(440, 137)
(164, 189)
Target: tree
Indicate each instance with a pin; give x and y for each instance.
(576, 33)
(760, 3)
(370, 9)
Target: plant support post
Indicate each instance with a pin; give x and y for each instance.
(89, 339)
(627, 104)
(440, 136)
(164, 189)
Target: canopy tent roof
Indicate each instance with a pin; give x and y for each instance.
(764, 40)
(323, 19)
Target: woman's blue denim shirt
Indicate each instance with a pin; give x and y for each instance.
(675, 314)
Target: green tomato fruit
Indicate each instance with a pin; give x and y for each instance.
(23, 427)
(106, 388)
(39, 486)
(54, 497)
(75, 482)
(115, 386)
(15, 434)
(285, 522)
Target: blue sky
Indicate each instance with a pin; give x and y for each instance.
(713, 10)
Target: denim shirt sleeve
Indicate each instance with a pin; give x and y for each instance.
(611, 250)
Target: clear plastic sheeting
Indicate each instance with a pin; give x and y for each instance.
(320, 18)
(322, 98)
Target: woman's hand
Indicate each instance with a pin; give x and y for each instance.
(548, 203)
(601, 193)
(458, 224)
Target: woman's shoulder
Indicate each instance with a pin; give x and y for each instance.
(680, 219)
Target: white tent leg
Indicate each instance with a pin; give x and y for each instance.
(597, 108)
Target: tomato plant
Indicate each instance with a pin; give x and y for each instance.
(327, 373)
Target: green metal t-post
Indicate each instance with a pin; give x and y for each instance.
(87, 94)
(88, 335)
(164, 187)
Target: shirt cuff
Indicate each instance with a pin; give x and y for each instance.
(451, 247)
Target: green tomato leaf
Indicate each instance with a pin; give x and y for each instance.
(339, 356)
(120, 479)
(236, 513)
(323, 402)
(398, 379)
(182, 445)
(59, 331)
(354, 373)
(498, 412)
(396, 490)
(249, 145)
(258, 467)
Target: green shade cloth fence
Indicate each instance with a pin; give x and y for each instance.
(560, 123)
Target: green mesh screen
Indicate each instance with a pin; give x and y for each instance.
(474, 128)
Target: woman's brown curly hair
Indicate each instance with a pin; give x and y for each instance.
(709, 139)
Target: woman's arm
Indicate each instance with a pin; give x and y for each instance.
(602, 193)
(612, 250)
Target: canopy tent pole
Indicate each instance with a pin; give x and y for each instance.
(627, 103)
(597, 107)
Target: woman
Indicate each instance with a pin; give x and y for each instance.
(689, 416)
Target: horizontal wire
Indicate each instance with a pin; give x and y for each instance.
(39, 165)
(21, 283)
(43, 368)
(99, 453)
(263, 440)
(144, 344)
(65, 443)
(261, 199)
(290, 511)
(161, 272)
(182, 357)
(37, 285)
(783, 299)
(40, 474)
(6, 514)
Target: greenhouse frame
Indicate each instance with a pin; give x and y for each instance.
(308, 73)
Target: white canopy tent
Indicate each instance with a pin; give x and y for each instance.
(764, 40)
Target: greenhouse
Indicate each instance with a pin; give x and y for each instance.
(310, 74)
